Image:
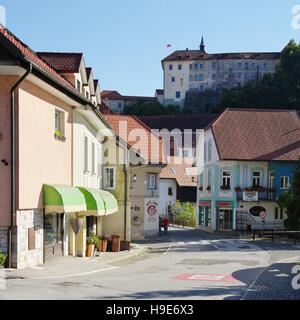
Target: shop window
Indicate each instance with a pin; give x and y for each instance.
(152, 181)
(109, 178)
(53, 229)
(205, 151)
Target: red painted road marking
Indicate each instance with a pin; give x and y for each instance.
(225, 278)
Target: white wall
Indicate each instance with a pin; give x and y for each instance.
(164, 198)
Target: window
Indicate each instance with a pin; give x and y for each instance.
(281, 213)
(277, 216)
(191, 67)
(246, 65)
(78, 85)
(109, 178)
(276, 213)
(170, 67)
(239, 75)
(170, 191)
(201, 77)
(256, 179)
(53, 229)
(205, 151)
(209, 178)
(195, 66)
(240, 65)
(265, 66)
(93, 159)
(179, 67)
(173, 79)
(191, 78)
(202, 88)
(181, 82)
(177, 94)
(253, 65)
(174, 170)
(209, 151)
(59, 122)
(87, 95)
(120, 105)
(213, 87)
(226, 179)
(271, 179)
(284, 183)
(201, 180)
(214, 76)
(201, 65)
(230, 70)
(253, 75)
(196, 77)
(99, 162)
(152, 181)
(214, 66)
(86, 154)
(246, 76)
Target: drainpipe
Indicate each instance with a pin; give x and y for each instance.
(125, 203)
(13, 161)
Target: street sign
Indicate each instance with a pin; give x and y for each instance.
(224, 278)
(249, 196)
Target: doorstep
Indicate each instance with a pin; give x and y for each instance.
(64, 267)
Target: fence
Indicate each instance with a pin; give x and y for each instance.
(273, 234)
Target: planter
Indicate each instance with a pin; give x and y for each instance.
(90, 250)
(99, 245)
(104, 246)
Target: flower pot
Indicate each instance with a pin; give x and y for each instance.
(90, 250)
(99, 245)
(104, 245)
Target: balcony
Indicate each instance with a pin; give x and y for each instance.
(254, 196)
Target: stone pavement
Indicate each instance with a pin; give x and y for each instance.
(63, 267)
(275, 282)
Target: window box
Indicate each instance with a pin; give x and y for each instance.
(60, 137)
(208, 188)
(225, 188)
(200, 188)
(238, 189)
(258, 189)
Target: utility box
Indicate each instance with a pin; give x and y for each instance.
(116, 243)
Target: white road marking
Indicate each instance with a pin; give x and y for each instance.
(169, 249)
(74, 275)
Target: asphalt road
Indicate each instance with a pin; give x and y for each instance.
(188, 265)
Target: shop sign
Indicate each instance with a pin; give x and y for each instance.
(224, 204)
(249, 196)
(204, 204)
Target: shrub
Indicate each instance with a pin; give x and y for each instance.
(2, 259)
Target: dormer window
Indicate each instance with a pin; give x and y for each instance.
(87, 95)
(78, 86)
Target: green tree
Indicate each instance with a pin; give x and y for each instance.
(290, 201)
(151, 109)
(184, 214)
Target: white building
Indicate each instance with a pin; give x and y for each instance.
(186, 70)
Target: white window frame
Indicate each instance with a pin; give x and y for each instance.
(150, 181)
(209, 178)
(205, 151)
(257, 179)
(286, 182)
(86, 154)
(106, 186)
(226, 178)
(60, 125)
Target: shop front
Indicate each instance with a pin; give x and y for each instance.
(224, 216)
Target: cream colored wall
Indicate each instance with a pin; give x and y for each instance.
(6, 83)
(41, 158)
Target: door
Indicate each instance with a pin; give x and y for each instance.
(225, 220)
(54, 235)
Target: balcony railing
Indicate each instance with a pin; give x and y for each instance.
(265, 195)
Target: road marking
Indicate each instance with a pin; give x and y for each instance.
(169, 249)
(224, 278)
(74, 275)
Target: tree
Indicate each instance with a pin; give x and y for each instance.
(151, 109)
(291, 202)
(184, 214)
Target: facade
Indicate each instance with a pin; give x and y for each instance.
(146, 162)
(178, 181)
(187, 70)
(159, 95)
(44, 211)
(248, 161)
(117, 102)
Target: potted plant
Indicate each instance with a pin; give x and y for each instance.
(104, 240)
(208, 188)
(238, 189)
(90, 241)
(2, 259)
(225, 188)
(200, 188)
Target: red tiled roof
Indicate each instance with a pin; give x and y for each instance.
(250, 134)
(195, 55)
(30, 55)
(184, 174)
(154, 156)
(63, 62)
(111, 95)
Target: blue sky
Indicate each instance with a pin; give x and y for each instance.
(125, 40)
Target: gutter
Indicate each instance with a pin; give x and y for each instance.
(13, 161)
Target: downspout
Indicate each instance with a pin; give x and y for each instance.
(125, 203)
(13, 161)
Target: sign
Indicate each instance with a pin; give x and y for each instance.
(152, 208)
(250, 196)
(204, 204)
(224, 278)
(224, 204)
(136, 221)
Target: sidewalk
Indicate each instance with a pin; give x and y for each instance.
(63, 267)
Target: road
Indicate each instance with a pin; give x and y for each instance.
(188, 265)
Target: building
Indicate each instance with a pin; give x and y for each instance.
(50, 174)
(147, 159)
(118, 102)
(247, 162)
(159, 95)
(186, 70)
(178, 182)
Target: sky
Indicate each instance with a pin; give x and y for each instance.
(124, 41)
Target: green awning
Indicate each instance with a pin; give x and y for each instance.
(63, 199)
(99, 202)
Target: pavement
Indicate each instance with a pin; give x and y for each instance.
(185, 265)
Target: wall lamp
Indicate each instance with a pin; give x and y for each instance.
(4, 162)
(135, 178)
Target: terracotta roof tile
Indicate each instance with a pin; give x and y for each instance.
(245, 134)
(155, 155)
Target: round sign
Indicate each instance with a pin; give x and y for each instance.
(136, 221)
(152, 210)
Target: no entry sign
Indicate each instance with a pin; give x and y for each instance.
(225, 278)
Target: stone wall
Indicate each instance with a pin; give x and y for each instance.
(22, 257)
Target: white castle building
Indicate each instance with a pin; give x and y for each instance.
(186, 70)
